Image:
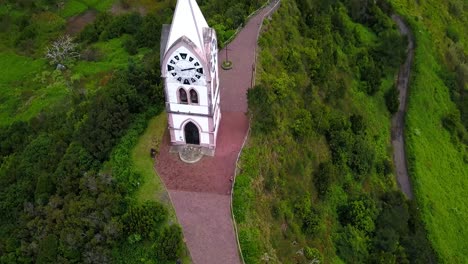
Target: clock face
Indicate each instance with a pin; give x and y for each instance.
(184, 67)
(214, 55)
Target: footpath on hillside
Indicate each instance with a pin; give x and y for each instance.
(398, 120)
(201, 192)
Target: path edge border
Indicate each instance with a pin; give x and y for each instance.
(234, 222)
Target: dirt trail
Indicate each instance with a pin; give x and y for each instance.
(77, 23)
(398, 120)
(201, 192)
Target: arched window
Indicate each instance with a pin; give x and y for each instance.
(193, 96)
(183, 96)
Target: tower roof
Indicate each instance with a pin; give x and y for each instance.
(188, 21)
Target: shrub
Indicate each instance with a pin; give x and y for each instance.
(357, 124)
(452, 33)
(260, 104)
(324, 177)
(302, 124)
(131, 46)
(91, 54)
(145, 219)
(313, 254)
(48, 248)
(168, 246)
(391, 100)
(361, 159)
(250, 244)
(352, 245)
(360, 214)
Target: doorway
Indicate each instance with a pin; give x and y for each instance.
(192, 135)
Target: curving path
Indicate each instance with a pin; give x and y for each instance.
(398, 120)
(200, 192)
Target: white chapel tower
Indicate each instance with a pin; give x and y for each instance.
(189, 67)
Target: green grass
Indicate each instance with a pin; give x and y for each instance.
(438, 166)
(16, 67)
(152, 188)
(73, 8)
(76, 7)
(23, 95)
(113, 56)
(15, 95)
(438, 169)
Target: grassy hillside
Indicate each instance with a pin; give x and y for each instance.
(325, 187)
(439, 158)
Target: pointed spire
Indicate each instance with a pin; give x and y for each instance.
(188, 21)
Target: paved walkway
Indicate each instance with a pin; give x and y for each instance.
(200, 192)
(398, 120)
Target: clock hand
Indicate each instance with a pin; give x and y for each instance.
(188, 69)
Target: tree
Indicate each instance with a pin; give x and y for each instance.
(169, 244)
(360, 214)
(62, 51)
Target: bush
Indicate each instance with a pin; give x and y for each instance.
(352, 245)
(145, 219)
(313, 254)
(324, 177)
(169, 244)
(48, 248)
(391, 100)
(260, 105)
(250, 244)
(91, 54)
(360, 214)
(302, 124)
(358, 125)
(361, 159)
(452, 33)
(131, 46)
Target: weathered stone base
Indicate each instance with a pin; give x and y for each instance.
(191, 153)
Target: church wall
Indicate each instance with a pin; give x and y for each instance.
(179, 120)
(173, 89)
(193, 109)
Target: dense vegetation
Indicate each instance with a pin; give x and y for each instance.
(437, 121)
(321, 123)
(69, 182)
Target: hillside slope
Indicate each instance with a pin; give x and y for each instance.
(437, 119)
(316, 178)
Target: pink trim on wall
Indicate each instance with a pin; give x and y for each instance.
(170, 120)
